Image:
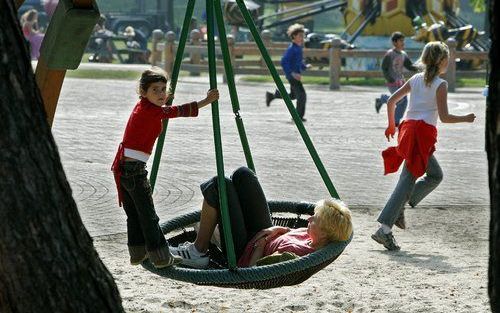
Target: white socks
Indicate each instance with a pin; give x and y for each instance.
(385, 229)
(195, 251)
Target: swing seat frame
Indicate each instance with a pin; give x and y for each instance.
(285, 273)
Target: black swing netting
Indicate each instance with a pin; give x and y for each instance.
(285, 273)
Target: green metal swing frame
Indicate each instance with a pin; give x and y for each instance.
(214, 14)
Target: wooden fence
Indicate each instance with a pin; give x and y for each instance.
(247, 60)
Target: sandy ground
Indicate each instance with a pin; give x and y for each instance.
(441, 268)
(443, 263)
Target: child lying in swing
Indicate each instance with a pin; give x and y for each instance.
(253, 235)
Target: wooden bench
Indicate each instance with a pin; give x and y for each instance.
(134, 56)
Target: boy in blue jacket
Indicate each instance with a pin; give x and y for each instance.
(293, 65)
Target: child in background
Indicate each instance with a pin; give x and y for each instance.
(416, 140)
(145, 237)
(293, 65)
(32, 33)
(393, 63)
(253, 233)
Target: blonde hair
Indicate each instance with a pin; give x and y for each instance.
(334, 219)
(433, 54)
(294, 30)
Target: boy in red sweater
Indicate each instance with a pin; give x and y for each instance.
(145, 238)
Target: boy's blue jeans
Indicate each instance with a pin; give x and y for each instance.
(411, 190)
(142, 222)
(401, 105)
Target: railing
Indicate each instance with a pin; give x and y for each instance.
(246, 58)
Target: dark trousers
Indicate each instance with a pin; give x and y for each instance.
(248, 209)
(142, 222)
(298, 92)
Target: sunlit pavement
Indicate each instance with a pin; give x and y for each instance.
(343, 125)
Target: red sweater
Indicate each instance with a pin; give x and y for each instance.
(144, 126)
(295, 241)
(416, 143)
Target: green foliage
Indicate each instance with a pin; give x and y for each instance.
(104, 74)
(478, 5)
(357, 81)
(109, 74)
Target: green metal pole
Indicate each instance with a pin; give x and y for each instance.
(288, 101)
(173, 84)
(231, 84)
(231, 257)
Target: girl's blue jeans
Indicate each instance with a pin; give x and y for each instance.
(411, 190)
(142, 222)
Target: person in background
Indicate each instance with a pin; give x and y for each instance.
(32, 33)
(393, 64)
(100, 42)
(137, 40)
(293, 65)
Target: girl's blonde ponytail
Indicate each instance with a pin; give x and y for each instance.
(433, 54)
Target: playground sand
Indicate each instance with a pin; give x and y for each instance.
(442, 267)
(443, 263)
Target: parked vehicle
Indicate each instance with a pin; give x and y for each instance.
(146, 23)
(143, 15)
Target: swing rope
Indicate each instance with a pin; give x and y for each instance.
(288, 101)
(228, 67)
(173, 85)
(231, 256)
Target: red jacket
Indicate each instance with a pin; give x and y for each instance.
(416, 143)
(143, 127)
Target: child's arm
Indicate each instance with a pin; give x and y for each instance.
(258, 251)
(408, 64)
(386, 64)
(262, 238)
(391, 108)
(442, 104)
(286, 61)
(188, 109)
(271, 232)
(212, 95)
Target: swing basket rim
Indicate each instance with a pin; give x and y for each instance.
(285, 273)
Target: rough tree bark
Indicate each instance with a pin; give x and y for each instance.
(493, 149)
(47, 259)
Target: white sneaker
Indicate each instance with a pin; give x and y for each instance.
(190, 256)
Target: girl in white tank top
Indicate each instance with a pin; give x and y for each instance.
(423, 100)
(416, 139)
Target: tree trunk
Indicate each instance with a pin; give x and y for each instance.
(47, 260)
(493, 149)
